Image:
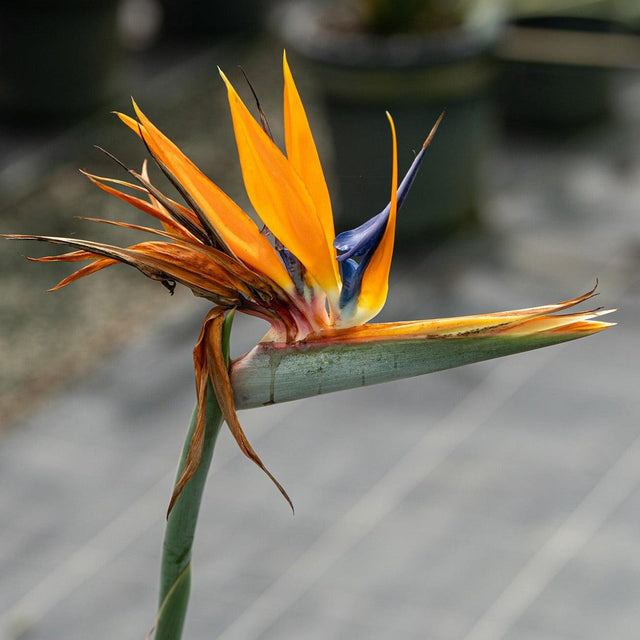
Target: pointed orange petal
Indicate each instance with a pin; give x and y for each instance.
(465, 327)
(375, 281)
(569, 323)
(211, 278)
(74, 256)
(303, 155)
(157, 211)
(179, 238)
(98, 265)
(516, 323)
(132, 123)
(234, 225)
(280, 197)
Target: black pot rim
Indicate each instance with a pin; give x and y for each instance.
(569, 23)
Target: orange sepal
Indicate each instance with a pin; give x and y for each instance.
(155, 209)
(303, 156)
(280, 197)
(236, 228)
(85, 271)
(375, 281)
(516, 323)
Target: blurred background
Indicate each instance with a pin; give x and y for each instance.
(499, 500)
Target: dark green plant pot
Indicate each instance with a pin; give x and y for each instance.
(415, 78)
(56, 57)
(546, 80)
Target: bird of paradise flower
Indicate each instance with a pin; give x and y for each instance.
(318, 291)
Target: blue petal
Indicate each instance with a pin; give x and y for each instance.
(291, 263)
(350, 281)
(294, 268)
(365, 238)
(356, 242)
(362, 241)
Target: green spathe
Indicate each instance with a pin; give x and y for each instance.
(273, 372)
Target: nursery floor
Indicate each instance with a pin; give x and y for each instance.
(498, 500)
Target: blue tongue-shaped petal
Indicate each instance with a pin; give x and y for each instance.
(362, 241)
(355, 242)
(358, 241)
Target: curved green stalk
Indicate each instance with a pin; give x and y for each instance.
(175, 573)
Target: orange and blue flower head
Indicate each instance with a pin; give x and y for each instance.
(311, 286)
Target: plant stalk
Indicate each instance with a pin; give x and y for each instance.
(175, 572)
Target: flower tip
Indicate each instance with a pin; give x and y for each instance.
(91, 177)
(393, 126)
(132, 123)
(230, 88)
(137, 109)
(224, 77)
(432, 133)
(285, 63)
(586, 327)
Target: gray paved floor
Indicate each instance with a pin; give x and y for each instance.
(499, 500)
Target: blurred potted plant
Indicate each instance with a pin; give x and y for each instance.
(414, 58)
(557, 60)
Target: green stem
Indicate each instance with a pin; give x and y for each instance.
(175, 573)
